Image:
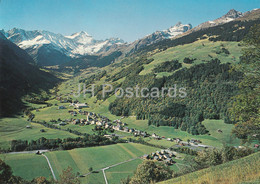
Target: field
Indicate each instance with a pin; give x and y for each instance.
(28, 166)
(115, 174)
(244, 170)
(99, 157)
(15, 128)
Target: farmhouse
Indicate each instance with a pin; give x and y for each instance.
(219, 131)
(118, 127)
(62, 123)
(156, 136)
(110, 136)
(169, 161)
(195, 141)
(145, 156)
(100, 123)
(80, 106)
(177, 140)
(76, 121)
(131, 130)
(156, 158)
(61, 107)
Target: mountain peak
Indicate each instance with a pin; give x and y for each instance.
(178, 29)
(81, 37)
(81, 33)
(178, 24)
(233, 14)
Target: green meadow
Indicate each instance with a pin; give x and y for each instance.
(15, 128)
(115, 174)
(225, 137)
(96, 157)
(28, 166)
(99, 157)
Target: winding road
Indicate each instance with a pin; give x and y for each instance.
(105, 168)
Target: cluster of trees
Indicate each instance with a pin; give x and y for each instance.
(188, 60)
(63, 144)
(133, 69)
(94, 77)
(209, 86)
(223, 50)
(149, 172)
(212, 157)
(168, 66)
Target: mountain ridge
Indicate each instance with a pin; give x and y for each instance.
(47, 48)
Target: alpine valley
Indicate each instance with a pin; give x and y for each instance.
(53, 131)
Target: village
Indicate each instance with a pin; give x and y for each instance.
(164, 156)
(103, 123)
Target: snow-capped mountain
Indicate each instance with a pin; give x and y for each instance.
(49, 48)
(177, 29)
(157, 36)
(81, 38)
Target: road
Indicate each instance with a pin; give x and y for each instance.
(105, 168)
(54, 177)
(23, 152)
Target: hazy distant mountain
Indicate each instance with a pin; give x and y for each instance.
(48, 48)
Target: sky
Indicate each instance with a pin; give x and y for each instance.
(125, 19)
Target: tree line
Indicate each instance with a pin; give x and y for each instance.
(62, 144)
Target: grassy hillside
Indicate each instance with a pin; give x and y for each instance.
(225, 137)
(245, 170)
(202, 50)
